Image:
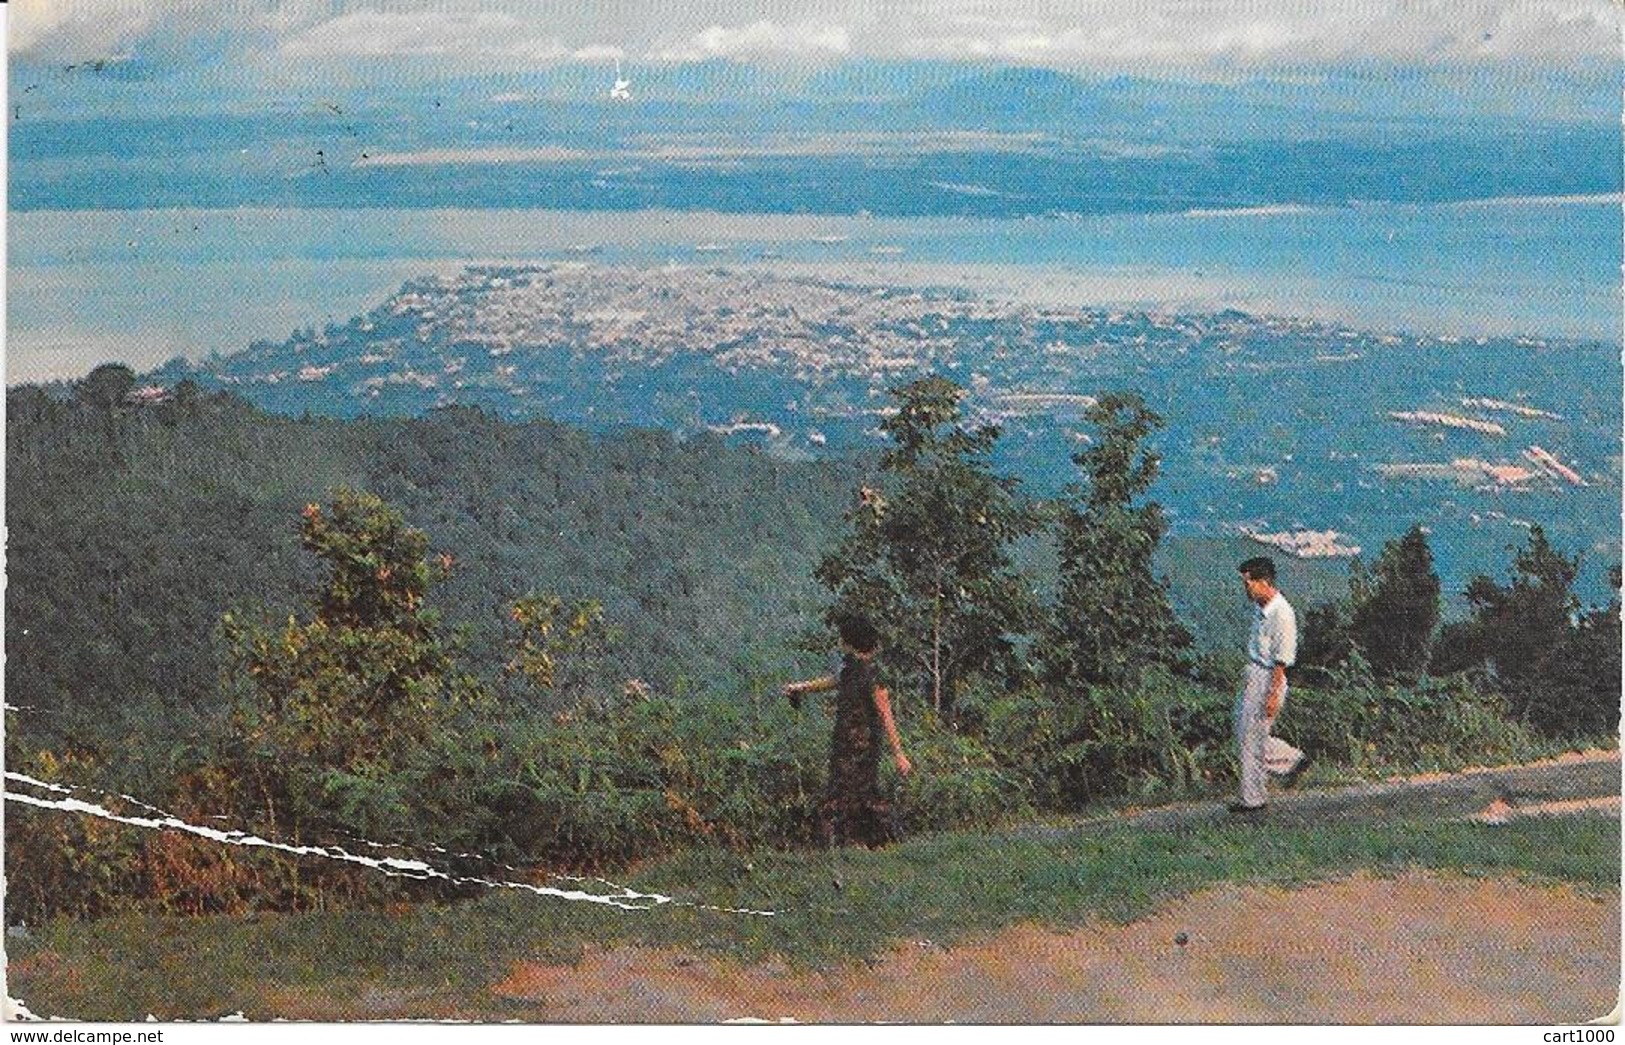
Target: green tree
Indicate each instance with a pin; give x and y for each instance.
(1550, 660)
(341, 705)
(28, 405)
(1590, 672)
(930, 564)
(560, 646)
(102, 391)
(1326, 639)
(1586, 676)
(1112, 616)
(1396, 607)
(105, 387)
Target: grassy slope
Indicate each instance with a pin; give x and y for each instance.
(942, 888)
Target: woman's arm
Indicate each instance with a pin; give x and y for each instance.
(883, 706)
(822, 684)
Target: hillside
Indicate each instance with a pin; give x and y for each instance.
(130, 536)
(129, 539)
(408, 695)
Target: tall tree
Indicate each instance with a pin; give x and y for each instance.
(341, 702)
(1396, 607)
(928, 559)
(105, 387)
(1536, 645)
(103, 391)
(1590, 673)
(1112, 614)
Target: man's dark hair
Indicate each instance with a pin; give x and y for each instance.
(858, 632)
(1259, 568)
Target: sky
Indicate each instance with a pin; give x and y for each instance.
(1182, 38)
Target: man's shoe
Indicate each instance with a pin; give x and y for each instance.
(1242, 808)
(1290, 778)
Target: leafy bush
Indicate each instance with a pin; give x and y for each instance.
(606, 785)
(1369, 726)
(616, 781)
(958, 782)
(339, 713)
(81, 866)
(620, 780)
(1157, 734)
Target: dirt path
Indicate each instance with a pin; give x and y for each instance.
(1504, 791)
(1414, 949)
(1419, 948)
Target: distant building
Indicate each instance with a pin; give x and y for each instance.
(147, 395)
(1472, 424)
(1306, 544)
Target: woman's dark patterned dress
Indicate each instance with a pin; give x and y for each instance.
(854, 812)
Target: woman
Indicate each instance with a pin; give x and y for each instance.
(853, 810)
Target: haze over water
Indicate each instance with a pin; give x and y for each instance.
(144, 286)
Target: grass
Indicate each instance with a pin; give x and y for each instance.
(943, 888)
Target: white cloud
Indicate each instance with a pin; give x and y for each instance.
(981, 20)
(598, 53)
(443, 157)
(74, 30)
(762, 38)
(1189, 34)
(712, 150)
(1199, 37)
(436, 33)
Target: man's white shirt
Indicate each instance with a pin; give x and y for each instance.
(1275, 634)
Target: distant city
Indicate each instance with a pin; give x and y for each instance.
(1303, 435)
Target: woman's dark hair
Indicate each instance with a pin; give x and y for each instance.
(858, 632)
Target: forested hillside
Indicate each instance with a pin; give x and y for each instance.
(134, 528)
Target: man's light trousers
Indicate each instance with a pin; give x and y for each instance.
(1258, 751)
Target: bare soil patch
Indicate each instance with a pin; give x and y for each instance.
(1418, 948)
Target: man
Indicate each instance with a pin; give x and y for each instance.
(1272, 649)
(853, 810)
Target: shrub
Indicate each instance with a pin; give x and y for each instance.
(76, 865)
(1383, 727)
(1157, 734)
(957, 781)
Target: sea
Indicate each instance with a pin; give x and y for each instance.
(144, 286)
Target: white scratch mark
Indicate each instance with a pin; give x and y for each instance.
(16, 1010)
(625, 898)
(23, 778)
(35, 782)
(32, 782)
